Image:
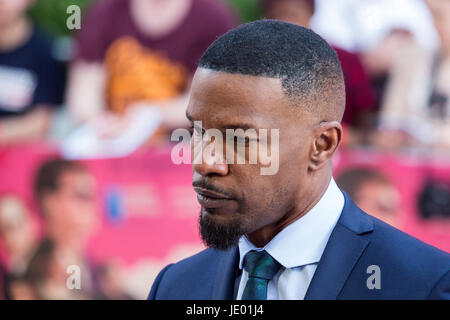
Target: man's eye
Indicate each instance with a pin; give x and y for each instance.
(197, 130)
(242, 139)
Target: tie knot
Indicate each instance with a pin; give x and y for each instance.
(260, 264)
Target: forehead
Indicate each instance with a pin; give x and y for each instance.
(77, 178)
(221, 99)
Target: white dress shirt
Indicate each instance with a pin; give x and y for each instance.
(298, 248)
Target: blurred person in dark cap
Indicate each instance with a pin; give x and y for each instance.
(360, 98)
(31, 79)
(132, 54)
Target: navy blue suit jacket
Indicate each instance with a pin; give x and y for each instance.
(409, 268)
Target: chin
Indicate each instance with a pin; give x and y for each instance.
(219, 231)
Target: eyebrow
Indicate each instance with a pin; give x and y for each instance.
(243, 126)
(234, 126)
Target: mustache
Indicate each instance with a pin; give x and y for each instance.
(209, 186)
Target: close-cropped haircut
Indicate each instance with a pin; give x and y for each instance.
(304, 62)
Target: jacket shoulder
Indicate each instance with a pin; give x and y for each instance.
(395, 243)
(409, 268)
(191, 277)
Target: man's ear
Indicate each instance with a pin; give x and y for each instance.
(327, 138)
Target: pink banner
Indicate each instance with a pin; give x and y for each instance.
(148, 209)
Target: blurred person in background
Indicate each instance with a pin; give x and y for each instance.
(145, 58)
(415, 111)
(19, 288)
(378, 61)
(31, 80)
(439, 80)
(19, 239)
(18, 234)
(47, 275)
(110, 277)
(360, 97)
(66, 194)
(372, 192)
(388, 64)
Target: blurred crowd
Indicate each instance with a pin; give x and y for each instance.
(37, 263)
(129, 65)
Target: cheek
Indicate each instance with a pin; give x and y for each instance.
(75, 214)
(267, 194)
(83, 214)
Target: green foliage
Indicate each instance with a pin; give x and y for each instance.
(249, 10)
(51, 15)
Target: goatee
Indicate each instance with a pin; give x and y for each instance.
(218, 235)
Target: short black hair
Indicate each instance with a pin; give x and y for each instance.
(300, 58)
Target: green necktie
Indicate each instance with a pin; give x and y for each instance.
(261, 268)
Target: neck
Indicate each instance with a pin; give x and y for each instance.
(263, 236)
(14, 34)
(66, 242)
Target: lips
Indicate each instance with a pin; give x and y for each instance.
(209, 199)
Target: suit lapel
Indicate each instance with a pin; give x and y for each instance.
(345, 246)
(223, 288)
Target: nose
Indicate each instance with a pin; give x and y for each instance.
(212, 161)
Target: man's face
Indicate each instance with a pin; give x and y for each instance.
(293, 11)
(379, 199)
(235, 198)
(157, 18)
(10, 10)
(71, 210)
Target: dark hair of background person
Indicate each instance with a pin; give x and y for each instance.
(351, 180)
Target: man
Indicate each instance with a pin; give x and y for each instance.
(293, 234)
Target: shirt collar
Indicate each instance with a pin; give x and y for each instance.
(303, 241)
